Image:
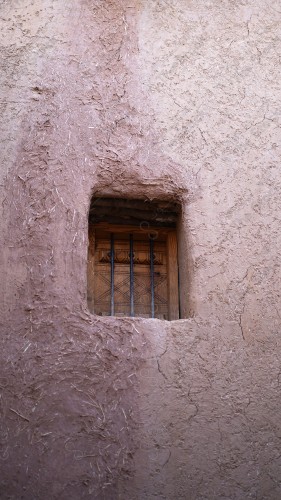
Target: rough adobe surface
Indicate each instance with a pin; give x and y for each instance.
(149, 99)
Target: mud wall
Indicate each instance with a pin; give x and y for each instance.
(151, 99)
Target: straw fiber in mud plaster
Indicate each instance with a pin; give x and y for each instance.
(147, 100)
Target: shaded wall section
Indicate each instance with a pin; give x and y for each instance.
(141, 99)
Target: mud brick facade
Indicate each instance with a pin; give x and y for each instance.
(147, 100)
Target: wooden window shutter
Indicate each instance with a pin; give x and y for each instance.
(133, 268)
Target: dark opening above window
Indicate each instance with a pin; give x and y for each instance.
(132, 259)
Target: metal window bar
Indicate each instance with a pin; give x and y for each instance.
(152, 286)
(131, 275)
(151, 247)
(112, 274)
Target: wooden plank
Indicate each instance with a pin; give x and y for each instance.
(132, 214)
(91, 270)
(137, 223)
(173, 280)
(140, 229)
(150, 206)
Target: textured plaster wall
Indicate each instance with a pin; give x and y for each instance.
(144, 99)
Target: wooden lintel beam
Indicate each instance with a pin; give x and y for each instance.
(160, 206)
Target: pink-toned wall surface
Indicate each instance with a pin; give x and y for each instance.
(150, 99)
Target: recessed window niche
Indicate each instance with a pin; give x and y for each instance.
(133, 258)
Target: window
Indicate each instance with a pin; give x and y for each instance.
(132, 260)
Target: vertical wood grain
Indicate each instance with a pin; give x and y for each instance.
(173, 280)
(91, 270)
